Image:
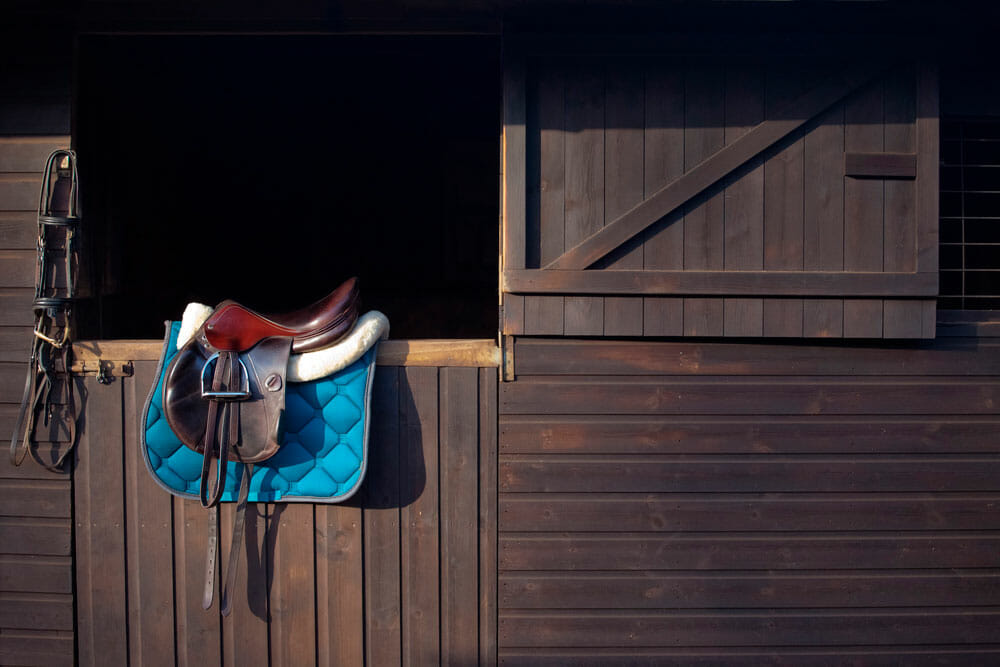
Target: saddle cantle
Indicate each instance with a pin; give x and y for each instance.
(222, 392)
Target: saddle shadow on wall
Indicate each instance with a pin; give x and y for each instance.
(396, 477)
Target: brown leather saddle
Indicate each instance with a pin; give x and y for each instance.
(224, 394)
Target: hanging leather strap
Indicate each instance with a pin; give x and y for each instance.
(227, 374)
(235, 548)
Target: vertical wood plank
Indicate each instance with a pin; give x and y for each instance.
(823, 223)
(584, 316)
(900, 245)
(290, 533)
(488, 508)
(663, 159)
(704, 224)
(928, 163)
(148, 538)
(99, 493)
(340, 585)
(514, 173)
(245, 631)
(513, 314)
(584, 196)
(903, 318)
(784, 171)
(823, 318)
(198, 631)
(459, 414)
(782, 318)
(419, 517)
(624, 120)
(864, 208)
(381, 523)
(544, 315)
(743, 212)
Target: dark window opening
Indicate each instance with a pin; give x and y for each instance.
(269, 169)
(970, 214)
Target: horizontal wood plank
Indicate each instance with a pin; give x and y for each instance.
(752, 396)
(807, 550)
(31, 536)
(18, 230)
(436, 353)
(749, 589)
(745, 474)
(666, 512)
(36, 647)
(19, 192)
(912, 656)
(17, 268)
(36, 611)
(15, 343)
(36, 574)
(28, 154)
(721, 283)
(586, 434)
(880, 165)
(35, 498)
(602, 357)
(15, 306)
(750, 628)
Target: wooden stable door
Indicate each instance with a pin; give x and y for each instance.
(404, 573)
(741, 195)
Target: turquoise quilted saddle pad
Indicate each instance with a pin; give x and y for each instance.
(324, 450)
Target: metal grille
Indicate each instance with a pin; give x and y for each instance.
(970, 214)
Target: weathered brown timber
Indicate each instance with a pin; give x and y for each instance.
(661, 501)
(771, 201)
(394, 576)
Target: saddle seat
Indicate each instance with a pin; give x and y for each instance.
(235, 328)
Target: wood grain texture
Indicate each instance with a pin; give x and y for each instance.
(148, 534)
(699, 590)
(198, 635)
(381, 531)
(488, 569)
(292, 602)
(459, 457)
(99, 489)
(880, 164)
(734, 551)
(28, 154)
(663, 157)
(420, 518)
(626, 513)
(340, 619)
(748, 628)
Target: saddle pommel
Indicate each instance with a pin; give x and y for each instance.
(236, 328)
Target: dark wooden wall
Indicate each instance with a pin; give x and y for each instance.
(642, 199)
(403, 574)
(710, 503)
(36, 570)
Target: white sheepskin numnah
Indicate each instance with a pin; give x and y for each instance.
(194, 316)
(370, 328)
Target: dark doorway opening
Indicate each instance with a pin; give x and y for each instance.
(267, 169)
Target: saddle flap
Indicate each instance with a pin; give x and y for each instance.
(260, 414)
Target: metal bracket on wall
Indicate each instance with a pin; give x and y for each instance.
(507, 352)
(104, 369)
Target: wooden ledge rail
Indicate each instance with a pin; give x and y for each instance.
(477, 353)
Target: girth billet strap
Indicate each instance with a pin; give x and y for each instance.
(49, 362)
